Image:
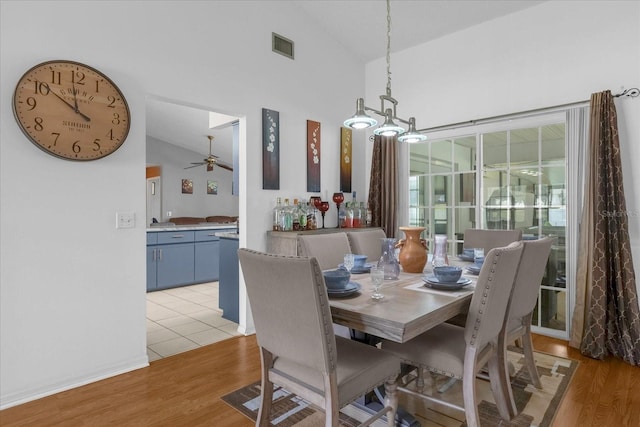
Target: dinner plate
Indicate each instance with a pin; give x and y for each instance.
(446, 286)
(473, 270)
(355, 270)
(432, 279)
(350, 289)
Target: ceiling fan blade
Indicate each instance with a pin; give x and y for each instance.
(224, 166)
(194, 166)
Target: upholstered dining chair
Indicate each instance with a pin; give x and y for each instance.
(522, 302)
(367, 242)
(489, 239)
(298, 349)
(329, 249)
(462, 352)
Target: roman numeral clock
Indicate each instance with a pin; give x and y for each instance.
(71, 110)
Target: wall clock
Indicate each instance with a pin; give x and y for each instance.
(71, 110)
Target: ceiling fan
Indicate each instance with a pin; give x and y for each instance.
(211, 160)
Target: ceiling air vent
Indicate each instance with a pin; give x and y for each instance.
(282, 45)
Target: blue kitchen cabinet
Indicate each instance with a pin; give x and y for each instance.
(207, 253)
(228, 293)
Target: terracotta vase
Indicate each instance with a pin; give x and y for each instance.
(413, 250)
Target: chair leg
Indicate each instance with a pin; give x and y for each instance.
(266, 389)
(469, 397)
(527, 347)
(501, 388)
(266, 396)
(391, 400)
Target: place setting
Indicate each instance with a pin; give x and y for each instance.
(339, 284)
(448, 278)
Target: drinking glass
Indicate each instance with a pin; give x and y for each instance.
(349, 261)
(377, 278)
(478, 256)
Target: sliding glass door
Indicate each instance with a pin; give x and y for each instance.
(502, 175)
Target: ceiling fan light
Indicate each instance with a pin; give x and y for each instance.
(360, 120)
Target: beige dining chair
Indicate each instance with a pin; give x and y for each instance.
(367, 242)
(489, 239)
(298, 349)
(462, 352)
(522, 302)
(329, 249)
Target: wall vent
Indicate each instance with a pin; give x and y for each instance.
(282, 45)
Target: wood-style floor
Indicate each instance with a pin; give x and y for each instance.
(185, 390)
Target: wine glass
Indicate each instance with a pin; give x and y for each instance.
(377, 278)
(338, 198)
(323, 207)
(349, 261)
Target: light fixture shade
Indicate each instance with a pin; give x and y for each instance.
(389, 128)
(360, 120)
(412, 136)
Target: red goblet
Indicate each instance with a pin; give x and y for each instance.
(338, 198)
(323, 207)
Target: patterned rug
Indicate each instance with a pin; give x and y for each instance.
(536, 407)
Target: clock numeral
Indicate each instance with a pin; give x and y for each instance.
(110, 134)
(96, 142)
(77, 77)
(31, 102)
(116, 119)
(55, 77)
(38, 124)
(97, 86)
(112, 101)
(75, 147)
(41, 88)
(55, 140)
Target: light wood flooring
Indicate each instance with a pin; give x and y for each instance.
(185, 390)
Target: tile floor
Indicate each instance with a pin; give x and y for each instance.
(182, 319)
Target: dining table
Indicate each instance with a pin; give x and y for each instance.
(409, 306)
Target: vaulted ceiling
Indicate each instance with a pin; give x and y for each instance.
(358, 25)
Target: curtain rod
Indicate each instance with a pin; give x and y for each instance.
(633, 92)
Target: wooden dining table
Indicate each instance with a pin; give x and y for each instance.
(408, 308)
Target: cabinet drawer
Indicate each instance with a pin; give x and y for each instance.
(206, 235)
(167, 237)
(152, 238)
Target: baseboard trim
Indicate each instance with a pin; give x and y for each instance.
(15, 399)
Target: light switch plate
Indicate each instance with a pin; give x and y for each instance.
(125, 219)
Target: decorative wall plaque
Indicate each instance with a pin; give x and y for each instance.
(270, 149)
(313, 156)
(345, 160)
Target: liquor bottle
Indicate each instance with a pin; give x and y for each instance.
(277, 215)
(357, 222)
(302, 214)
(312, 222)
(295, 219)
(348, 215)
(287, 220)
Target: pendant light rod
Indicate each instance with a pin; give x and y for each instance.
(361, 120)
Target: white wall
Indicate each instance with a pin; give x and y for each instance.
(72, 287)
(556, 53)
(173, 160)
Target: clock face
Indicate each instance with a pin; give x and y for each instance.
(71, 110)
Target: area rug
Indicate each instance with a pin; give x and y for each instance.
(536, 408)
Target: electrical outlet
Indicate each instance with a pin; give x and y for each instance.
(125, 219)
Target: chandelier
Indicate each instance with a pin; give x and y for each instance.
(361, 120)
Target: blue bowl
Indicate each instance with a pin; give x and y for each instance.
(359, 261)
(336, 279)
(447, 273)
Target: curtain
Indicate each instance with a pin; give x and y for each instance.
(383, 185)
(607, 318)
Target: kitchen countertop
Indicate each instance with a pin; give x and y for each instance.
(191, 227)
(223, 235)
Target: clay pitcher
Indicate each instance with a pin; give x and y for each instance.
(413, 250)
